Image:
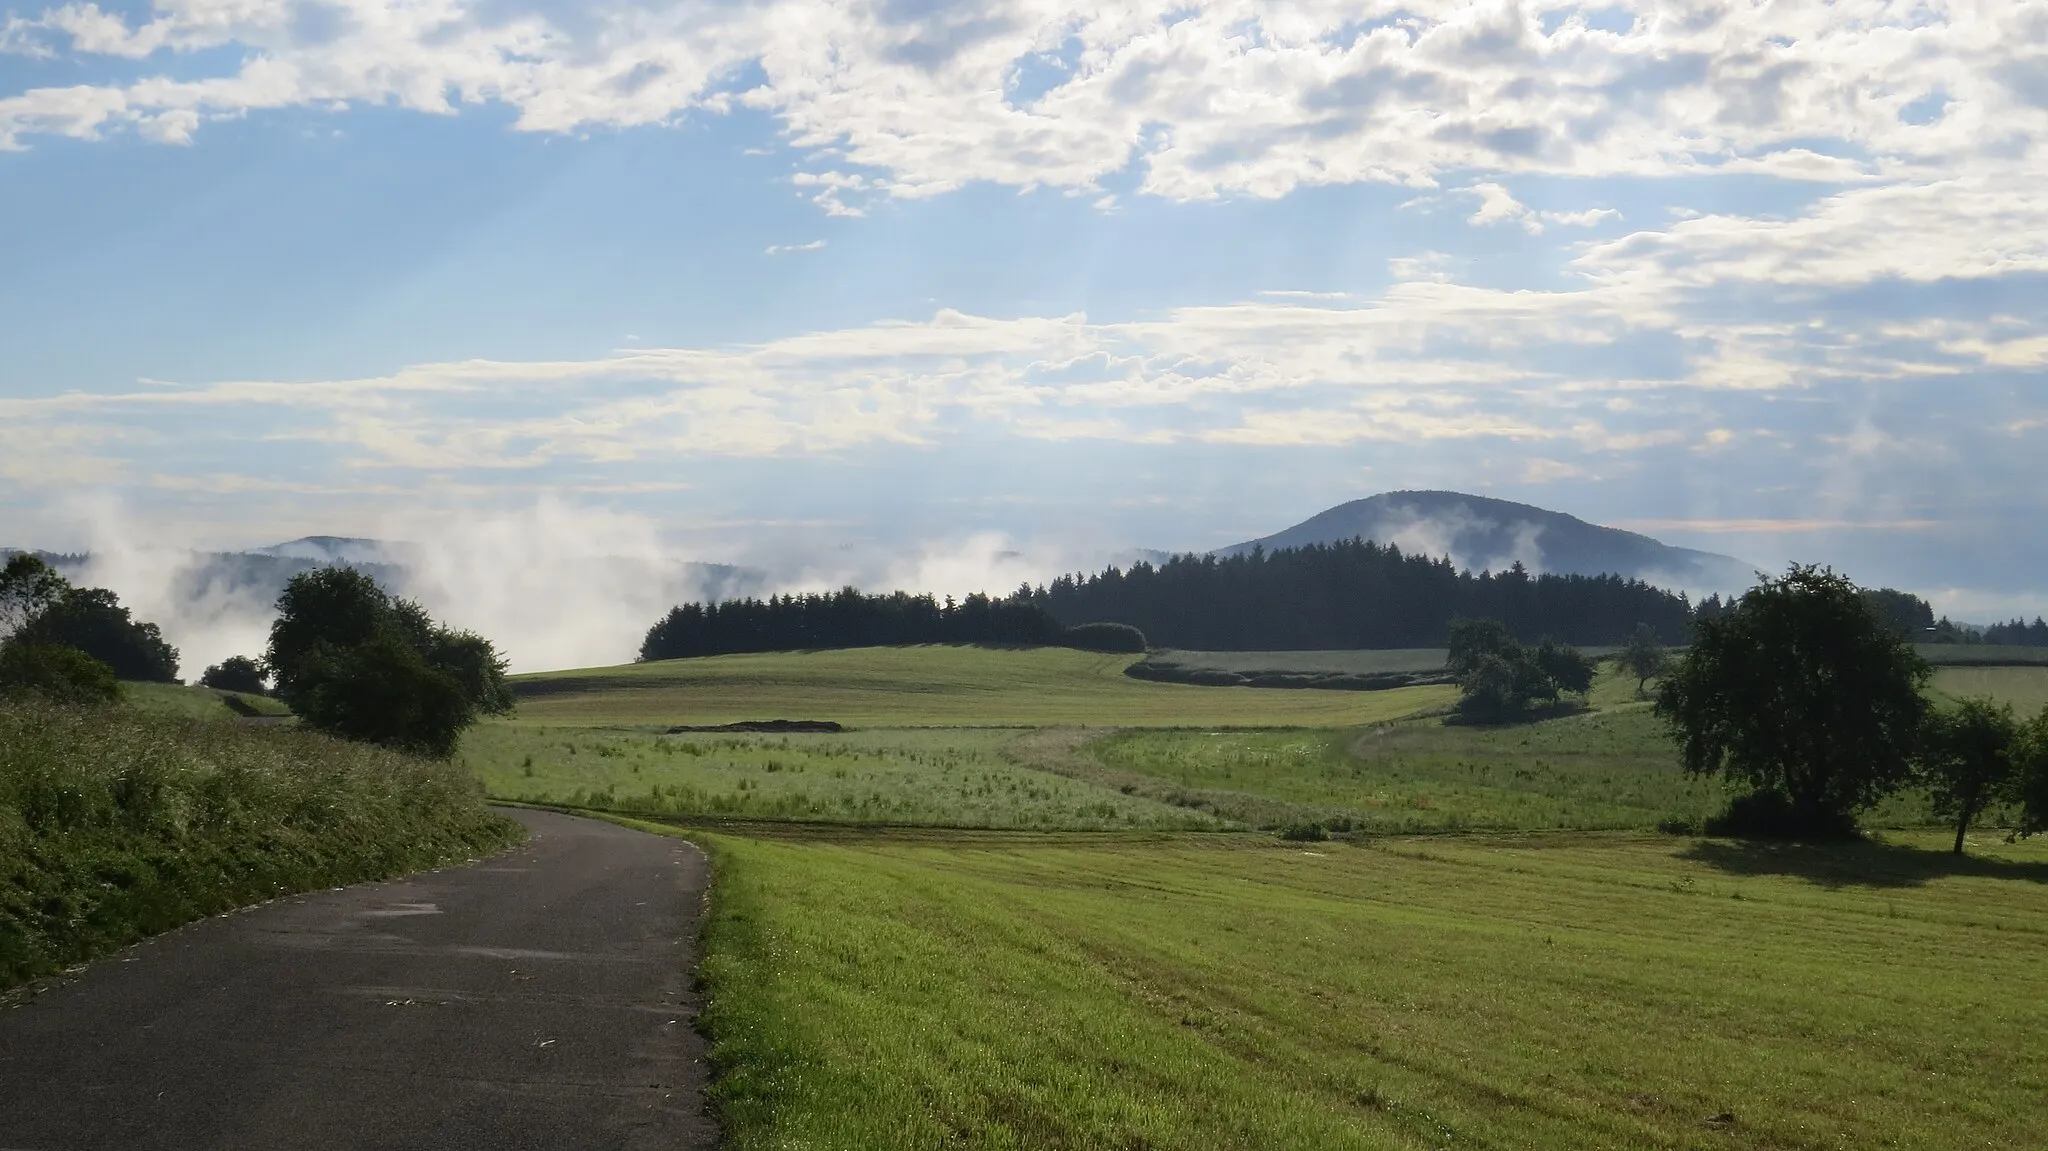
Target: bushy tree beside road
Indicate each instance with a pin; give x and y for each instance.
(353, 661)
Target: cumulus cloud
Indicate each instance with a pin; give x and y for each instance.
(1223, 97)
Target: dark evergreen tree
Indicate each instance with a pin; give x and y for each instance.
(844, 619)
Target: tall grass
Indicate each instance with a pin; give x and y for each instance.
(116, 823)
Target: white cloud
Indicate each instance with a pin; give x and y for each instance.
(1215, 98)
(779, 249)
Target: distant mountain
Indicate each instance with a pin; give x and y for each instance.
(1483, 534)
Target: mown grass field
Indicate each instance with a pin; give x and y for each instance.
(2025, 688)
(1565, 991)
(1600, 770)
(936, 686)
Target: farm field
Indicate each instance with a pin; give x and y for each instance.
(1982, 655)
(981, 990)
(930, 777)
(930, 934)
(1361, 662)
(2025, 688)
(934, 686)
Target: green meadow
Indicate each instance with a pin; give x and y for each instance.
(914, 777)
(1563, 991)
(1029, 902)
(934, 686)
(2025, 688)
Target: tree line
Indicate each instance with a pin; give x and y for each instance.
(848, 618)
(1354, 594)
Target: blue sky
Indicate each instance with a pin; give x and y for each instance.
(799, 280)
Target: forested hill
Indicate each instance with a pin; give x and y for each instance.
(1354, 594)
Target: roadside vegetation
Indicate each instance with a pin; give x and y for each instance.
(117, 822)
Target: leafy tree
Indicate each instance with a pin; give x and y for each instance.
(384, 691)
(1966, 759)
(92, 620)
(55, 672)
(28, 587)
(353, 661)
(1473, 640)
(1804, 695)
(1906, 613)
(1501, 677)
(235, 673)
(2027, 784)
(1566, 667)
(1643, 656)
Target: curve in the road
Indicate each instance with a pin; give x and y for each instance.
(539, 999)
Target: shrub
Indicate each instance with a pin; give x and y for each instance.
(1304, 833)
(55, 672)
(1110, 637)
(235, 673)
(1771, 815)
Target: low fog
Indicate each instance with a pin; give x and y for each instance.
(555, 585)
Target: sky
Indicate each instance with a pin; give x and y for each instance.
(1050, 279)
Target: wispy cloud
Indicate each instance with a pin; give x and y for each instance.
(1775, 526)
(779, 249)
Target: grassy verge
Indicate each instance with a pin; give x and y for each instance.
(1220, 992)
(120, 822)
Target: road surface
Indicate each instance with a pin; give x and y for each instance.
(539, 999)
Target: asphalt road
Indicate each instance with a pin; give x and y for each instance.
(539, 999)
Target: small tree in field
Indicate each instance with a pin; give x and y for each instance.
(1643, 656)
(2027, 785)
(1967, 760)
(1500, 677)
(1805, 696)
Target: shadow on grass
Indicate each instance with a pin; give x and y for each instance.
(1854, 864)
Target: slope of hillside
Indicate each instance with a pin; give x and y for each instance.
(1481, 533)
